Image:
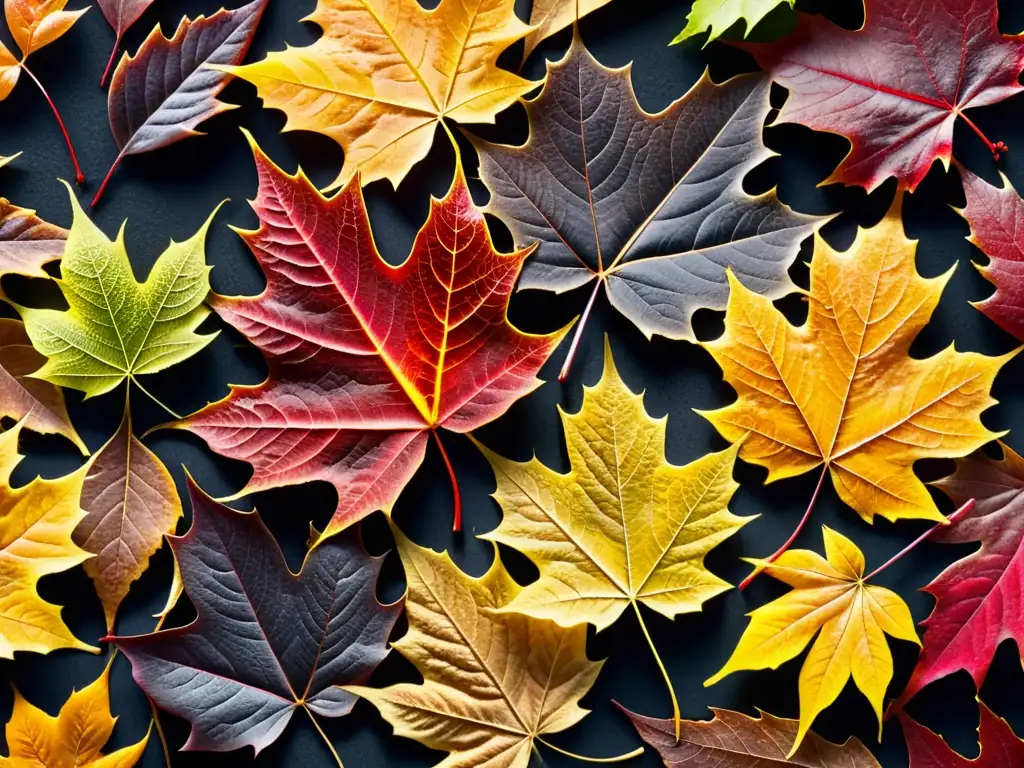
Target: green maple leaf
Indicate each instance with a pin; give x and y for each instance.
(116, 327)
(716, 16)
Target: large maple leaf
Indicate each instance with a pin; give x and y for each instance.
(842, 391)
(367, 359)
(896, 86)
(265, 642)
(1000, 748)
(650, 208)
(977, 598)
(385, 73)
(850, 618)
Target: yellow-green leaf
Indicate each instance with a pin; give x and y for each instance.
(716, 16)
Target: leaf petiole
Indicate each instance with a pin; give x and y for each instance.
(676, 715)
(327, 741)
(106, 179)
(564, 373)
(110, 63)
(79, 176)
(153, 397)
(457, 496)
(953, 519)
(160, 732)
(583, 758)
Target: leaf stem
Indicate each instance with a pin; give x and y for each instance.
(789, 542)
(676, 715)
(564, 373)
(106, 179)
(953, 519)
(457, 521)
(996, 149)
(327, 741)
(619, 759)
(110, 63)
(160, 732)
(153, 397)
(79, 176)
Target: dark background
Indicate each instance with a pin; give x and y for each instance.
(169, 193)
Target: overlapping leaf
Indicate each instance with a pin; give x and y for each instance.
(896, 86)
(27, 243)
(385, 73)
(494, 682)
(716, 16)
(74, 738)
(265, 642)
(977, 598)
(850, 619)
(842, 390)
(650, 208)
(159, 96)
(131, 503)
(550, 16)
(366, 359)
(734, 740)
(36, 521)
(120, 14)
(117, 328)
(1000, 748)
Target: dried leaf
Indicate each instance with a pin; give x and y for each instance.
(484, 701)
(73, 739)
(385, 73)
(716, 17)
(1000, 748)
(266, 642)
(27, 243)
(853, 619)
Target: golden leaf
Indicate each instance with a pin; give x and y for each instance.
(37, 23)
(842, 390)
(36, 522)
(853, 618)
(74, 738)
(386, 72)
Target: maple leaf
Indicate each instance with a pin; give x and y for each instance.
(623, 527)
(130, 503)
(485, 702)
(36, 521)
(896, 86)
(117, 328)
(27, 243)
(996, 215)
(74, 738)
(734, 740)
(976, 597)
(999, 747)
(35, 24)
(842, 390)
(170, 86)
(265, 642)
(716, 17)
(385, 73)
(120, 14)
(550, 16)
(366, 359)
(829, 594)
(650, 208)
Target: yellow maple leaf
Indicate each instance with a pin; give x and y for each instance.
(36, 522)
(842, 390)
(829, 594)
(385, 73)
(493, 682)
(73, 739)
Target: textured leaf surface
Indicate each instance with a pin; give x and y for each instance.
(999, 747)
(265, 642)
(121, 14)
(130, 503)
(895, 87)
(116, 327)
(551, 16)
(365, 359)
(849, 618)
(842, 389)
(493, 681)
(978, 598)
(36, 521)
(386, 72)
(74, 738)
(37, 23)
(716, 16)
(27, 242)
(734, 740)
(39, 403)
(160, 95)
(649, 207)
(623, 526)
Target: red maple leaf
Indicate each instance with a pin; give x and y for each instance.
(895, 87)
(977, 598)
(999, 747)
(366, 360)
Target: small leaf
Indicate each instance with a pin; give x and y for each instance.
(716, 17)
(734, 740)
(37, 23)
(120, 14)
(1000, 748)
(74, 738)
(27, 243)
(131, 503)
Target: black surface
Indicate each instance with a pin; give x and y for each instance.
(169, 193)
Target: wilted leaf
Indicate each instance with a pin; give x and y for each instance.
(716, 16)
(266, 642)
(999, 747)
